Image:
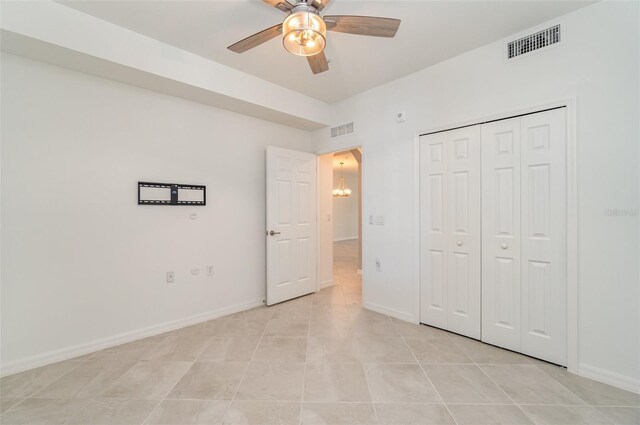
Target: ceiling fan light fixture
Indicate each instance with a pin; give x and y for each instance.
(304, 33)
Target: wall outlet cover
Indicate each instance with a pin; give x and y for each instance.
(171, 277)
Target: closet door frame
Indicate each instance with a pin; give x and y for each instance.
(572, 211)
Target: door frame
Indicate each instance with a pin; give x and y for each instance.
(572, 212)
(361, 215)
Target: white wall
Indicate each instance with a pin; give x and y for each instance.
(598, 65)
(325, 220)
(52, 32)
(82, 262)
(345, 210)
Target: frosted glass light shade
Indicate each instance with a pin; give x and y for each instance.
(304, 34)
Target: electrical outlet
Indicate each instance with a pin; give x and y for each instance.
(378, 264)
(371, 219)
(171, 277)
(210, 271)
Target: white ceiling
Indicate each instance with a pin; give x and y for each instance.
(431, 31)
(350, 164)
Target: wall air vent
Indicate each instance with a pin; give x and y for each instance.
(342, 130)
(530, 43)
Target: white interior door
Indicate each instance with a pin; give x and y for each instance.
(433, 230)
(501, 307)
(464, 261)
(524, 234)
(544, 236)
(450, 230)
(291, 224)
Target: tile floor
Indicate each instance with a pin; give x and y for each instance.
(320, 359)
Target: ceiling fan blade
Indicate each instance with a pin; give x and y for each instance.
(256, 39)
(363, 25)
(318, 63)
(284, 5)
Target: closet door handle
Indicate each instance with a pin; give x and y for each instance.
(459, 243)
(504, 246)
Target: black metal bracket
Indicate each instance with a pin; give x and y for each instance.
(172, 194)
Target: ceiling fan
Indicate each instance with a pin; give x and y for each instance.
(304, 31)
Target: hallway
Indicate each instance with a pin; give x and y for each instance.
(345, 270)
(347, 283)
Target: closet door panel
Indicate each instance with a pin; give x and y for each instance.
(544, 235)
(501, 270)
(433, 224)
(463, 233)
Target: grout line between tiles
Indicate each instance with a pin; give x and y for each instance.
(168, 392)
(80, 362)
(430, 382)
(248, 365)
(366, 380)
(496, 384)
(366, 375)
(359, 402)
(306, 358)
(20, 402)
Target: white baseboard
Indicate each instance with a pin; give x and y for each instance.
(100, 344)
(326, 283)
(611, 378)
(350, 238)
(389, 312)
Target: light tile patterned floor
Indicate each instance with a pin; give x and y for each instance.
(319, 359)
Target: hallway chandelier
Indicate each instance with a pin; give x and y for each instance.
(342, 191)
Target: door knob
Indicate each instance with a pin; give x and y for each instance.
(272, 233)
(504, 246)
(459, 243)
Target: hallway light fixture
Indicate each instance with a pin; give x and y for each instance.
(342, 191)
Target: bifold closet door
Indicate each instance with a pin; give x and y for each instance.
(450, 230)
(524, 234)
(501, 283)
(544, 235)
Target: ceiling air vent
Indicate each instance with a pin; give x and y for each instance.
(342, 130)
(533, 42)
